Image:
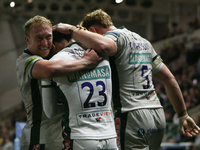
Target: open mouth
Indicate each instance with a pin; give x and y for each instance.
(44, 49)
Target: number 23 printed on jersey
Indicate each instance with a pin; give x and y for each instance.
(93, 94)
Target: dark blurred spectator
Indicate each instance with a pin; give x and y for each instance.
(175, 29)
(8, 144)
(193, 25)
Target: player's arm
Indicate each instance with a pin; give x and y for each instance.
(89, 39)
(188, 126)
(172, 88)
(57, 68)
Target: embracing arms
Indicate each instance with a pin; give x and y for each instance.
(57, 68)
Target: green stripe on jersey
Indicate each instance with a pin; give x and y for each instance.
(97, 73)
(140, 58)
(29, 61)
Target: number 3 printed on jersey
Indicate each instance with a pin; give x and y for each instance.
(145, 68)
(93, 94)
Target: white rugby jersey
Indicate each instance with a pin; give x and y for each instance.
(132, 68)
(38, 129)
(87, 94)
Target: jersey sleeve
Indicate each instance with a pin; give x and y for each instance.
(117, 37)
(30, 62)
(157, 64)
(113, 35)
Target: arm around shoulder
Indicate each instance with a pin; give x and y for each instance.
(63, 67)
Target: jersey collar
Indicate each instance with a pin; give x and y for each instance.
(27, 51)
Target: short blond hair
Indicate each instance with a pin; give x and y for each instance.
(97, 17)
(36, 21)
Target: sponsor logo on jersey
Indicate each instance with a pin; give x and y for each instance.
(94, 117)
(89, 115)
(140, 58)
(98, 119)
(97, 73)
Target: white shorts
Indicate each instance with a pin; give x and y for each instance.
(83, 144)
(142, 129)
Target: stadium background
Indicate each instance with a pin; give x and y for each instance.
(171, 25)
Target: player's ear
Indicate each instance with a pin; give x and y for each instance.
(27, 39)
(92, 29)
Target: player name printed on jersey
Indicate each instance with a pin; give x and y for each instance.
(140, 58)
(139, 46)
(94, 117)
(97, 73)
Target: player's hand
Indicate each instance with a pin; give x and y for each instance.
(62, 28)
(188, 126)
(92, 57)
